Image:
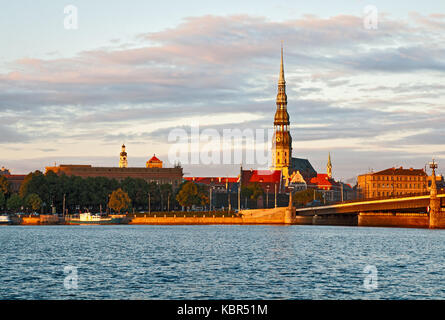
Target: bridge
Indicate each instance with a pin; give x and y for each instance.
(405, 204)
(409, 211)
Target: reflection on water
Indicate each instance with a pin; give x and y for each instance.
(220, 262)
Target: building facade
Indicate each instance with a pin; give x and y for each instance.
(154, 162)
(392, 182)
(172, 176)
(15, 180)
(155, 173)
(123, 163)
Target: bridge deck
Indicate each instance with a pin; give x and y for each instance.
(414, 202)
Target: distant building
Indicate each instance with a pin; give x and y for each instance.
(15, 180)
(392, 182)
(171, 176)
(123, 163)
(154, 163)
(268, 180)
(440, 182)
(218, 184)
(297, 182)
(4, 171)
(325, 185)
(153, 173)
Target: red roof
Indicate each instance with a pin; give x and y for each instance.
(322, 180)
(261, 176)
(212, 180)
(154, 159)
(402, 172)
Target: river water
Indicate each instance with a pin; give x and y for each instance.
(220, 262)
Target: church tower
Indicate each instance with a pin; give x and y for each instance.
(282, 140)
(329, 167)
(123, 159)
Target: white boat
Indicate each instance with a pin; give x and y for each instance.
(4, 219)
(88, 218)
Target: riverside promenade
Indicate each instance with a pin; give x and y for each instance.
(258, 216)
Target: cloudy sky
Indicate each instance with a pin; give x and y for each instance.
(135, 70)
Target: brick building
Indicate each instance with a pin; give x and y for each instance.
(15, 180)
(172, 176)
(392, 182)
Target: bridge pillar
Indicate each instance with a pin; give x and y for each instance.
(436, 217)
(289, 213)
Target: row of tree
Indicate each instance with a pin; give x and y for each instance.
(42, 192)
(76, 193)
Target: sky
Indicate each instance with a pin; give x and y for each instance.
(133, 71)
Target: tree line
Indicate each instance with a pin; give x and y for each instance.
(41, 192)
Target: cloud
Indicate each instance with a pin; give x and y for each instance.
(344, 83)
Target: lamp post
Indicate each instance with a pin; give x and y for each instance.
(210, 200)
(149, 203)
(168, 202)
(228, 195)
(239, 196)
(63, 214)
(275, 195)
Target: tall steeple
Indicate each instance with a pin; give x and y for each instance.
(281, 115)
(281, 81)
(123, 158)
(329, 167)
(282, 143)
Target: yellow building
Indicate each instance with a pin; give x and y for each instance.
(154, 163)
(123, 163)
(392, 182)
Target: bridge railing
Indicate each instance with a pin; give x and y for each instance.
(418, 194)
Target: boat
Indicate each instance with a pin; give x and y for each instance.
(87, 218)
(4, 219)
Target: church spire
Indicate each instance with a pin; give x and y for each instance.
(281, 115)
(329, 167)
(282, 81)
(282, 143)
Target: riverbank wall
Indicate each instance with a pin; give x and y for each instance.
(274, 216)
(257, 216)
(400, 220)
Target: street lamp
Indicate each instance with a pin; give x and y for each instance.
(275, 195)
(168, 202)
(149, 203)
(210, 200)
